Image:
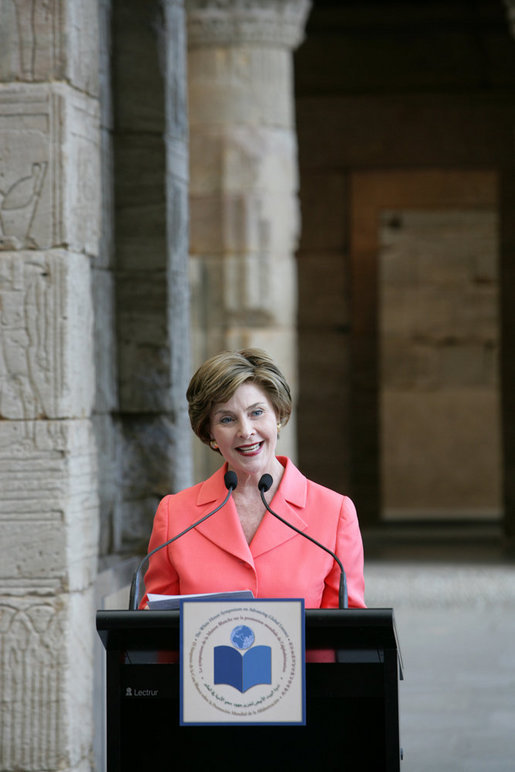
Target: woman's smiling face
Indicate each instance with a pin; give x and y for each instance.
(245, 430)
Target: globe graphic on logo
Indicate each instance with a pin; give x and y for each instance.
(242, 637)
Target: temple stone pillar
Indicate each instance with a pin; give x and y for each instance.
(151, 258)
(49, 236)
(243, 181)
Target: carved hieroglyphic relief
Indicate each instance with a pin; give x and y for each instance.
(48, 506)
(49, 231)
(18, 206)
(25, 173)
(49, 538)
(30, 651)
(46, 358)
(50, 40)
(49, 169)
(28, 40)
(46, 684)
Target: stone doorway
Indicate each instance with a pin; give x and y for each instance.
(425, 395)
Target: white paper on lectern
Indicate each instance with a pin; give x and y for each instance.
(169, 602)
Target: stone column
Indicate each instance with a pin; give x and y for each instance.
(49, 236)
(243, 179)
(151, 235)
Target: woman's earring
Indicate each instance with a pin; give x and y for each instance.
(213, 445)
(279, 427)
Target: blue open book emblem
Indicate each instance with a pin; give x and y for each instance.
(243, 665)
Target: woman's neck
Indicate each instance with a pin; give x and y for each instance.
(247, 499)
(248, 483)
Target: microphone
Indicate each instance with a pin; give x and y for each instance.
(264, 484)
(231, 481)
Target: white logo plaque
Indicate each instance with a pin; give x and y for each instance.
(243, 662)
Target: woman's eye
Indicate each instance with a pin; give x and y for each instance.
(257, 413)
(226, 419)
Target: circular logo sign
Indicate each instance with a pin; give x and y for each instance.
(241, 665)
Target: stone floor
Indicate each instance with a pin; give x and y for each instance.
(454, 605)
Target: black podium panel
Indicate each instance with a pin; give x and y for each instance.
(338, 731)
(352, 703)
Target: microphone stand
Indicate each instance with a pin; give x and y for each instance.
(343, 601)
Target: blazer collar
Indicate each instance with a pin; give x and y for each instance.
(288, 502)
(293, 485)
(224, 529)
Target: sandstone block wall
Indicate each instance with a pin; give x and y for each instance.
(94, 300)
(371, 108)
(50, 224)
(439, 322)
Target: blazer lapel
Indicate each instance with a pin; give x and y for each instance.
(223, 528)
(288, 502)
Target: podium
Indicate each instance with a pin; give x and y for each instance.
(352, 702)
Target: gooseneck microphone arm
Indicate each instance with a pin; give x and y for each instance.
(265, 483)
(231, 481)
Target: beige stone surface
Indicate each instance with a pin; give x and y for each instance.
(46, 357)
(50, 194)
(245, 83)
(441, 453)
(45, 690)
(48, 508)
(439, 320)
(264, 23)
(50, 222)
(45, 42)
(48, 520)
(244, 181)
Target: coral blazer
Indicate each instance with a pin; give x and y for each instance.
(278, 563)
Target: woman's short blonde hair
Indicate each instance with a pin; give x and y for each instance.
(218, 378)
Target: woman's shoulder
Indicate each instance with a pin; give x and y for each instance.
(311, 490)
(322, 499)
(323, 493)
(190, 493)
(199, 491)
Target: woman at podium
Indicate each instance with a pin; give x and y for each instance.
(238, 403)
